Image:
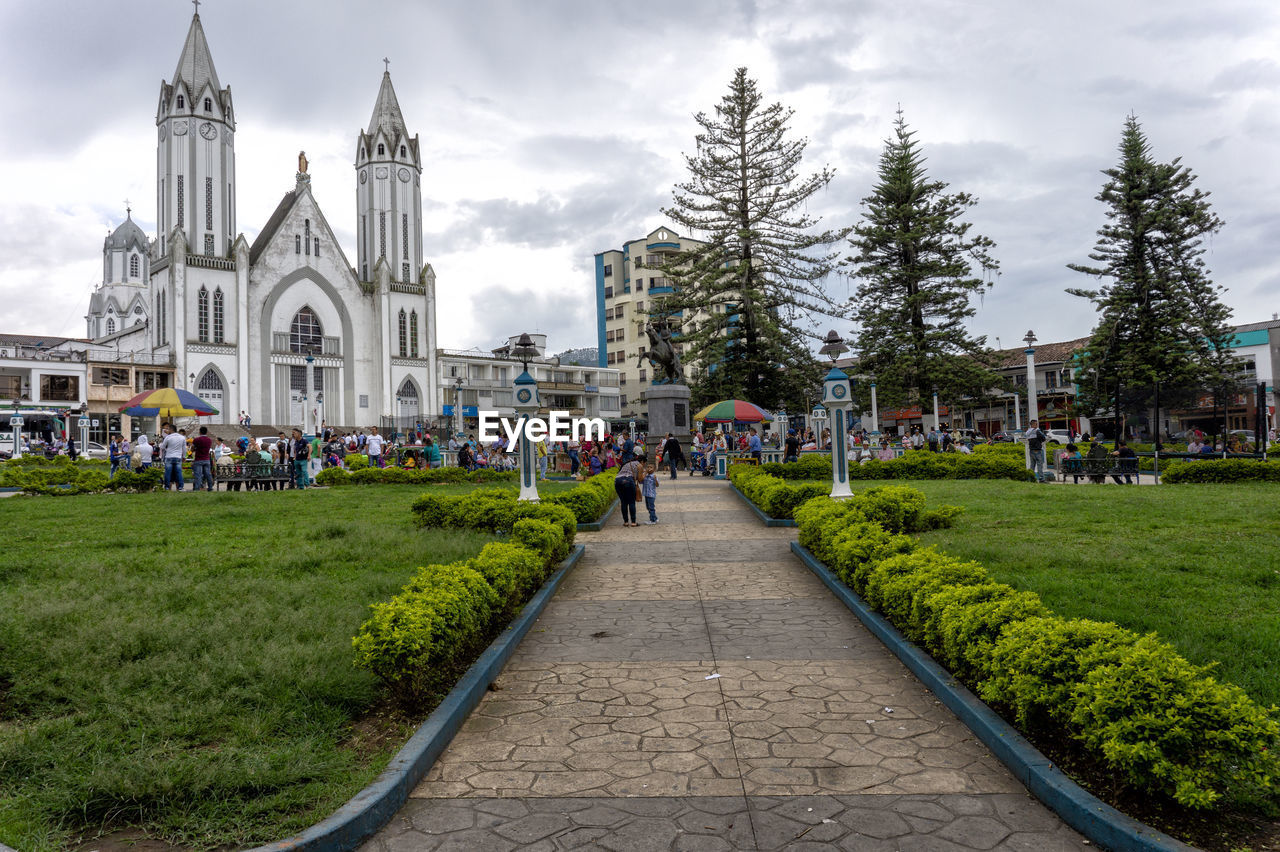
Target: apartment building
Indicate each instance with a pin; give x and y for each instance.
(627, 280)
(475, 380)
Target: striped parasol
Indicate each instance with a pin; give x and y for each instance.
(167, 402)
(733, 411)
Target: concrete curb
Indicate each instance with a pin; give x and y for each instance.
(764, 519)
(1080, 809)
(371, 808)
(596, 526)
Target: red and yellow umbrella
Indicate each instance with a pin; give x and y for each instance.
(167, 402)
(733, 411)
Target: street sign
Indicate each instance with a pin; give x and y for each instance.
(95, 423)
(15, 421)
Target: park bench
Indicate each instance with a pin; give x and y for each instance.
(1110, 466)
(251, 474)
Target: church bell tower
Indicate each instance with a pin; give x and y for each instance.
(389, 192)
(195, 154)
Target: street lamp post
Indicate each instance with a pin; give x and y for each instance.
(307, 427)
(937, 424)
(875, 413)
(527, 404)
(835, 395)
(1033, 411)
(457, 403)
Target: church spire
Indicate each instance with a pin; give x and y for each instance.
(195, 64)
(386, 111)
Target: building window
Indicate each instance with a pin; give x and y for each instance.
(181, 103)
(306, 224)
(305, 333)
(208, 245)
(111, 326)
(297, 244)
(643, 375)
(401, 150)
(608, 292)
(608, 270)
(210, 381)
(202, 315)
(404, 335)
(382, 149)
(404, 272)
(298, 379)
(413, 334)
(208, 204)
(639, 306)
(404, 236)
(60, 388)
(208, 105)
(182, 216)
(639, 285)
(382, 233)
(1051, 379)
(219, 323)
(317, 244)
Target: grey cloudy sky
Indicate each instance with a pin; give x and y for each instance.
(554, 129)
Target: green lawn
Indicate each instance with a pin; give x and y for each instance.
(1198, 564)
(183, 661)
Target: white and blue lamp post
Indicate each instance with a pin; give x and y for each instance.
(307, 426)
(527, 405)
(835, 396)
(1032, 404)
(875, 414)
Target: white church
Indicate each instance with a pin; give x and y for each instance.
(242, 318)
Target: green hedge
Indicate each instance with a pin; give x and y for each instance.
(590, 500)
(779, 499)
(915, 464)
(1222, 470)
(366, 475)
(62, 477)
(415, 642)
(1159, 723)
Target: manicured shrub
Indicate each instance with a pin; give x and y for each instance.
(541, 536)
(589, 501)
(512, 569)
(356, 461)
(1221, 470)
(1161, 724)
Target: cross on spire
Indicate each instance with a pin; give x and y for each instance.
(386, 63)
(128, 208)
(196, 3)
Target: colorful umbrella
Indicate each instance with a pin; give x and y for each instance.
(167, 402)
(731, 411)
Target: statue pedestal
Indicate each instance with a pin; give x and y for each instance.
(668, 407)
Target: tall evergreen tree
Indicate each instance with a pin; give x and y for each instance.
(1160, 316)
(740, 299)
(916, 278)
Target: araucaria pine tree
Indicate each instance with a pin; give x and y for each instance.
(740, 299)
(1160, 316)
(917, 269)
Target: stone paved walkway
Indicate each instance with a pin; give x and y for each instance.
(693, 687)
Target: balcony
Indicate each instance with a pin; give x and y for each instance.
(280, 344)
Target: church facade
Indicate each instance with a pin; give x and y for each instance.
(243, 324)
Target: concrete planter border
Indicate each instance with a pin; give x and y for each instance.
(1080, 809)
(597, 525)
(371, 808)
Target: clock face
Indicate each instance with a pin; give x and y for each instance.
(364, 175)
(839, 391)
(381, 172)
(180, 128)
(524, 395)
(208, 131)
(404, 175)
(164, 131)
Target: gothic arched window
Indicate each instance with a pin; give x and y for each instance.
(382, 150)
(208, 105)
(297, 244)
(408, 389)
(111, 326)
(181, 102)
(401, 150)
(413, 335)
(133, 266)
(305, 332)
(219, 317)
(307, 236)
(404, 335)
(202, 315)
(210, 381)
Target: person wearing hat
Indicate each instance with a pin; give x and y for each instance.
(793, 447)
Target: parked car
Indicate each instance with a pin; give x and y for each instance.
(94, 450)
(1056, 437)
(1003, 438)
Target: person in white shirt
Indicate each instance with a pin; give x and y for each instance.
(172, 450)
(373, 446)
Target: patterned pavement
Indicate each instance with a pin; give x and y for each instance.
(694, 687)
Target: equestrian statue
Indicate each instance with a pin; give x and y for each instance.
(662, 356)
